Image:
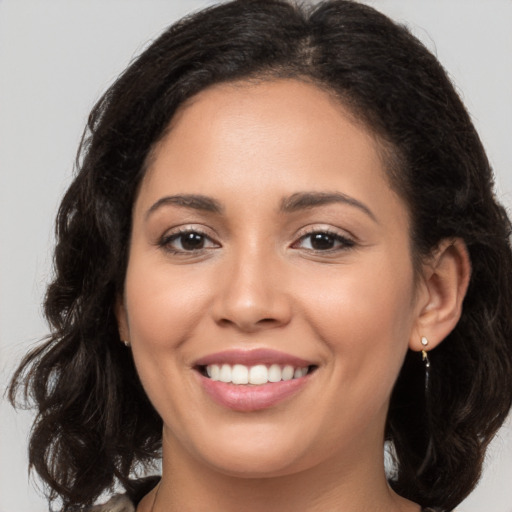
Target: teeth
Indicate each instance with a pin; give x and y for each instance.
(214, 371)
(287, 373)
(274, 373)
(240, 374)
(256, 375)
(225, 373)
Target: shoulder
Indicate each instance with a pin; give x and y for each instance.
(135, 491)
(118, 503)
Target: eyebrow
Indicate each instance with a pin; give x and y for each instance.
(191, 201)
(295, 202)
(305, 200)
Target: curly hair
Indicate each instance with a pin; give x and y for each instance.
(92, 410)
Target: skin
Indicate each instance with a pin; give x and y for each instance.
(257, 282)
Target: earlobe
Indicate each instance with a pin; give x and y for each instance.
(122, 321)
(445, 282)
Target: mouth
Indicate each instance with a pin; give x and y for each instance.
(252, 380)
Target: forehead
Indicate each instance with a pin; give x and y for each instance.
(290, 114)
(279, 137)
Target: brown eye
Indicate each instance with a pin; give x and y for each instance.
(187, 241)
(324, 241)
(191, 241)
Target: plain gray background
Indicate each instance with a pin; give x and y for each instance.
(58, 56)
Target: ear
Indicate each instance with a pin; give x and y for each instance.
(443, 286)
(122, 320)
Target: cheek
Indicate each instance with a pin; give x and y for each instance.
(163, 303)
(364, 314)
(165, 306)
(364, 298)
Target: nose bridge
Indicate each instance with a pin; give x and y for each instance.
(252, 296)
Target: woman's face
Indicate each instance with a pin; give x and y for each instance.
(267, 243)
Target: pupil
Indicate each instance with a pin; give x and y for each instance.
(322, 241)
(191, 241)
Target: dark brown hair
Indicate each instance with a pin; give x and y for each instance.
(94, 423)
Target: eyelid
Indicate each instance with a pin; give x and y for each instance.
(347, 241)
(174, 233)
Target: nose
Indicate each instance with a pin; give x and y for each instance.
(252, 295)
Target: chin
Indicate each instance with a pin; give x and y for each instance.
(264, 466)
(261, 454)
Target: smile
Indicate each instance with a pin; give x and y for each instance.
(252, 380)
(257, 375)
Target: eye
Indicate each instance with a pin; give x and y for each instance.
(323, 241)
(187, 241)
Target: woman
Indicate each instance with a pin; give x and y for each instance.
(281, 249)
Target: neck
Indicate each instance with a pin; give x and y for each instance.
(350, 482)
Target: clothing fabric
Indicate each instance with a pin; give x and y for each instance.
(118, 503)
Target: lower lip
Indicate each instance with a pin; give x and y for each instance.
(246, 398)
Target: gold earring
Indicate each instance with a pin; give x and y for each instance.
(424, 355)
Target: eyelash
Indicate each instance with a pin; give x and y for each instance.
(345, 243)
(167, 240)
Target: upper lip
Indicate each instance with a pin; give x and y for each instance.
(253, 357)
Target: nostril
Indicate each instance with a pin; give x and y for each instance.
(248, 324)
(267, 320)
